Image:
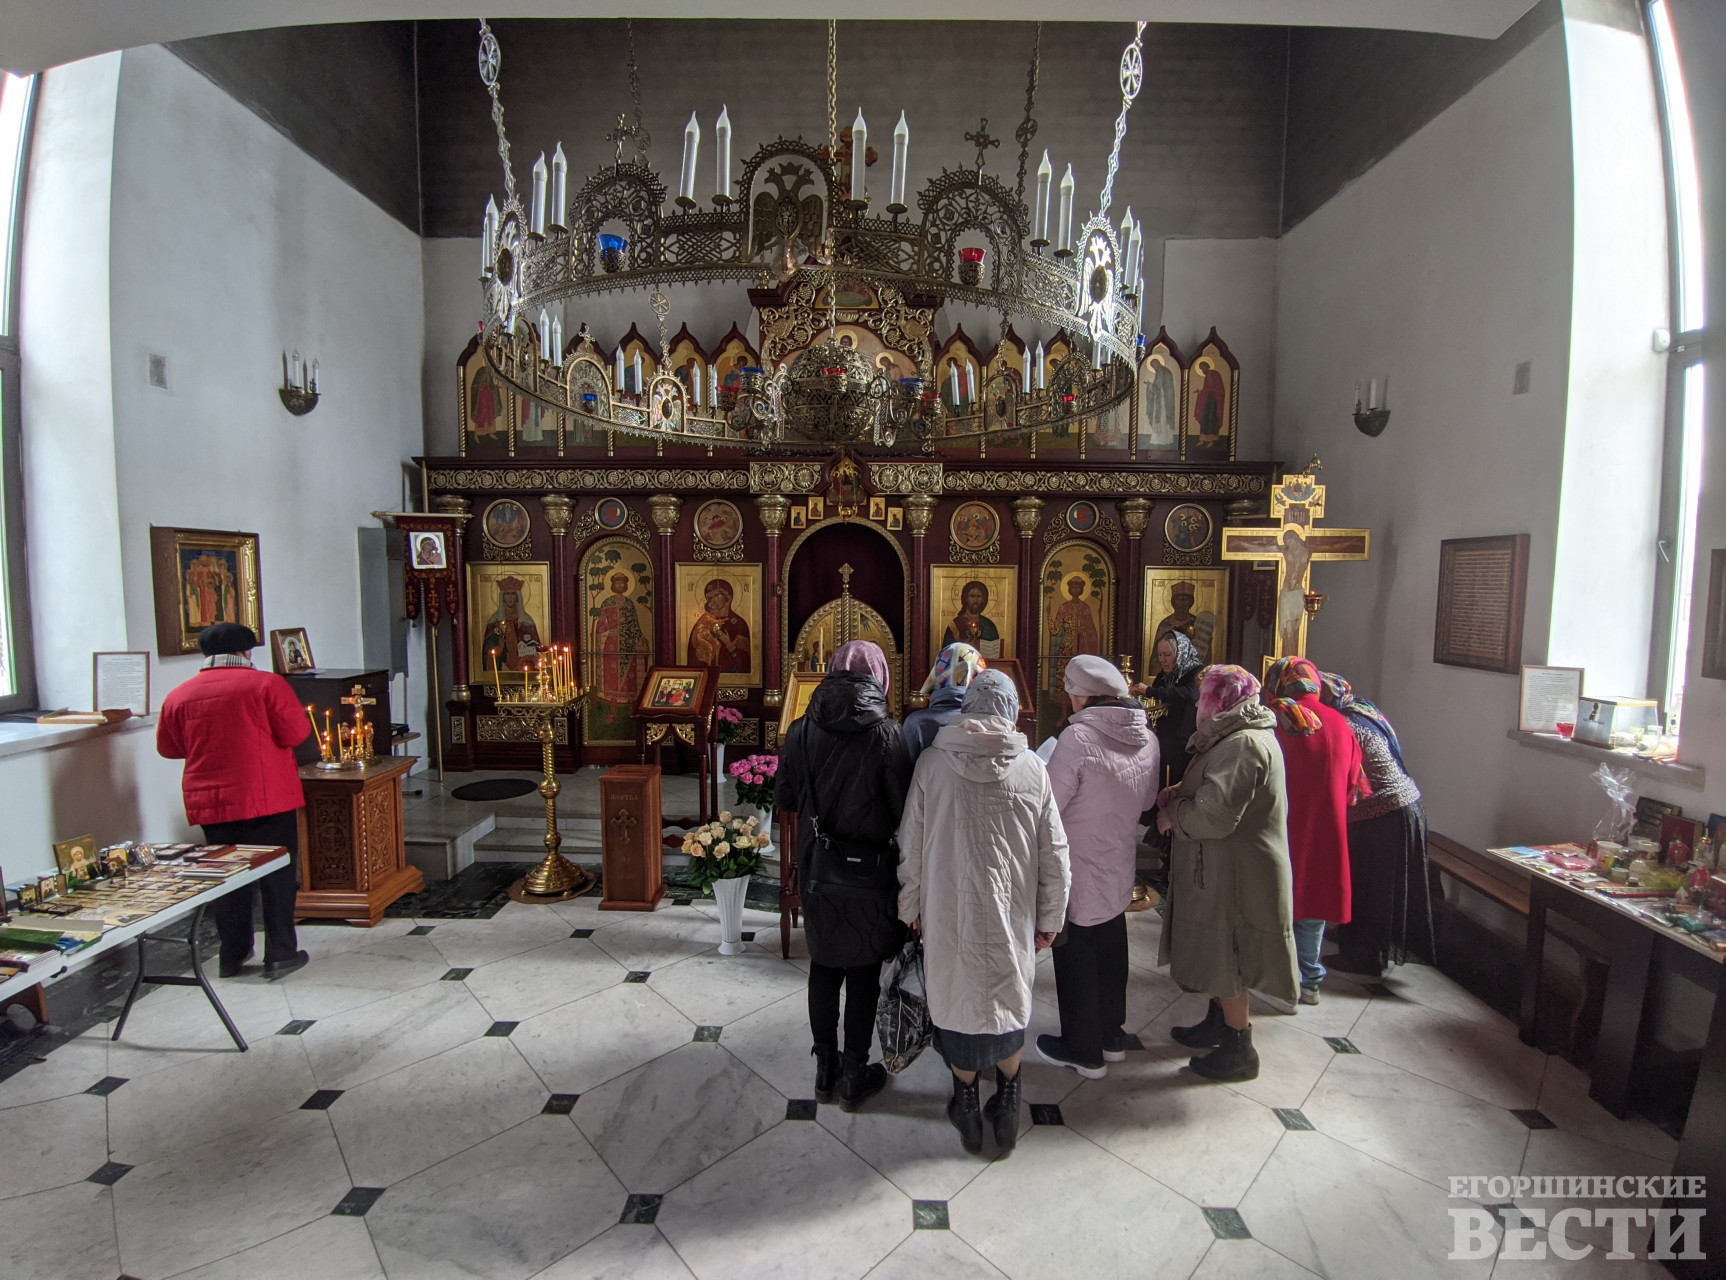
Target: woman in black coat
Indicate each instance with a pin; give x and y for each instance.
(1176, 686)
(844, 770)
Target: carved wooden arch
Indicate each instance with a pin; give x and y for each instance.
(785, 588)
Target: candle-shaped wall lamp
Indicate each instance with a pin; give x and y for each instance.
(1372, 418)
(299, 389)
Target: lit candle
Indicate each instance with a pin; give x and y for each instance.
(557, 341)
(722, 155)
(1065, 238)
(1045, 174)
(540, 173)
(638, 387)
(859, 155)
(901, 150)
(691, 153)
(1041, 367)
(310, 715)
(620, 367)
(559, 186)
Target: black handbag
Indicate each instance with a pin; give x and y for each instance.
(847, 866)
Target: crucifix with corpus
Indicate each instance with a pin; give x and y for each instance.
(362, 736)
(1295, 544)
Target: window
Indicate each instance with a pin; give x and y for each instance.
(17, 683)
(1685, 372)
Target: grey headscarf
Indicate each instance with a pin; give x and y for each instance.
(991, 694)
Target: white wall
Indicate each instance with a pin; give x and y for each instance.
(1442, 268)
(1231, 285)
(222, 245)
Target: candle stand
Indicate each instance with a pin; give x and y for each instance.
(556, 878)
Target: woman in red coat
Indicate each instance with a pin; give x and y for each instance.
(1322, 760)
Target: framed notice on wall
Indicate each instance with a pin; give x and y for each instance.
(1482, 585)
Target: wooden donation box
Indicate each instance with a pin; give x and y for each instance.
(630, 835)
(353, 862)
(323, 691)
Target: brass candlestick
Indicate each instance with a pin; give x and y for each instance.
(556, 878)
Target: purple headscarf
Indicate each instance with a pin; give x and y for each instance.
(1221, 687)
(862, 656)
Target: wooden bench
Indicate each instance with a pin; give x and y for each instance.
(1487, 876)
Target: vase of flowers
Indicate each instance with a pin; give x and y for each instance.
(726, 722)
(755, 777)
(723, 854)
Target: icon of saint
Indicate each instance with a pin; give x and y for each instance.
(719, 639)
(971, 625)
(1197, 627)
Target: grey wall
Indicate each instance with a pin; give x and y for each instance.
(344, 93)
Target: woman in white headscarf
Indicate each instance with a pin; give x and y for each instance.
(958, 665)
(983, 872)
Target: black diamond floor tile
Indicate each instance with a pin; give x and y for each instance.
(1293, 1119)
(106, 1085)
(109, 1174)
(641, 1209)
(749, 935)
(1227, 1224)
(929, 1215)
(560, 1104)
(501, 1029)
(320, 1101)
(420, 930)
(582, 933)
(636, 975)
(707, 1035)
(298, 1027)
(456, 975)
(800, 1109)
(1046, 1113)
(1341, 1044)
(1534, 1119)
(358, 1202)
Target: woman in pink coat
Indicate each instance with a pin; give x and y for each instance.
(1104, 775)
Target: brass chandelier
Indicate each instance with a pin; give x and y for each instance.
(793, 218)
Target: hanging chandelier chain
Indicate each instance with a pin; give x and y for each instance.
(1027, 129)
(1132, 77)
(490, 70)
(833, 90)
(643, 139)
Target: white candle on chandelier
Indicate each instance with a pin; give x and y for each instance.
(953, 380)
(722, 155)
(557, 341)
(695, 383)
(540, 174)
(488, 236)
(1124, 266)
(1042, 367)
(559, 186)
(1064, 238)
(1135, 256)
(619, 367)
(859, 155)
(901, 150)
(691, 150)
(1027, 372)
(713, 390)
(544, 336)
(1045, 175)
(638, 386)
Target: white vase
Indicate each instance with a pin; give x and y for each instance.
(719, 772)
(728, 893)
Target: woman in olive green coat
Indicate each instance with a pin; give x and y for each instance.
(1229, 925)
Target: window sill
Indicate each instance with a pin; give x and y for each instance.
(1690, 776)
(23, 739)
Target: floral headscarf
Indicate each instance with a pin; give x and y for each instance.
(1187, 659)
(862, 656)
(1337, 693)
(1288, 680)
(958, 665)
(1222, 687)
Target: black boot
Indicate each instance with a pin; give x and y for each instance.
(1233, 1059)
(826, 1071)
(859, 1081)
(1202, 1035)
(967, 1119)
(1003, 1111)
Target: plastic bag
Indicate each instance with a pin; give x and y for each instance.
(1615, 826)
(902, 1017)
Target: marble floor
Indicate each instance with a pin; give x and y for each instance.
(567, 1094)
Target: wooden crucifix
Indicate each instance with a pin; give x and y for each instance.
(1295, 544)
(359, 702)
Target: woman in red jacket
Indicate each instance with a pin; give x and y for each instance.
(236, 728)
(1321, 758)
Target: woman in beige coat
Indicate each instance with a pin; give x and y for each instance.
(983, 873)
(1229, 927)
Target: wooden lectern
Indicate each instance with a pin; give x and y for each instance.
(353, 860)
(630, 828)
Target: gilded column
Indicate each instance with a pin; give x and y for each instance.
(1027, 514)
(664, 508)
(450, 504)
(559, 510)
(919, 514)
(1135, 519)
(774, 508)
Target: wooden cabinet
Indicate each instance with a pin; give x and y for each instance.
(353, 861)
(630, 834)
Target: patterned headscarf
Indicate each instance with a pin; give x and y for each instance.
(1187, 658)
(1336, 693)
(862, 656)
(1222, 687)
(958, 665)
(1289, 679)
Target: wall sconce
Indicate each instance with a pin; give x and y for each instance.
(1372, 420)
(299, 389)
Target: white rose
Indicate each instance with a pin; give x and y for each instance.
(726, 816)
(706, 837)
(753, 820)
(722, 848)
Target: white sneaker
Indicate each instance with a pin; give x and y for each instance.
(1309, 995)
(1279, 1005)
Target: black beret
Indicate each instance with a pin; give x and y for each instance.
(226, 637)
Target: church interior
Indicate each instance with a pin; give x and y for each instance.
(560, 396)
